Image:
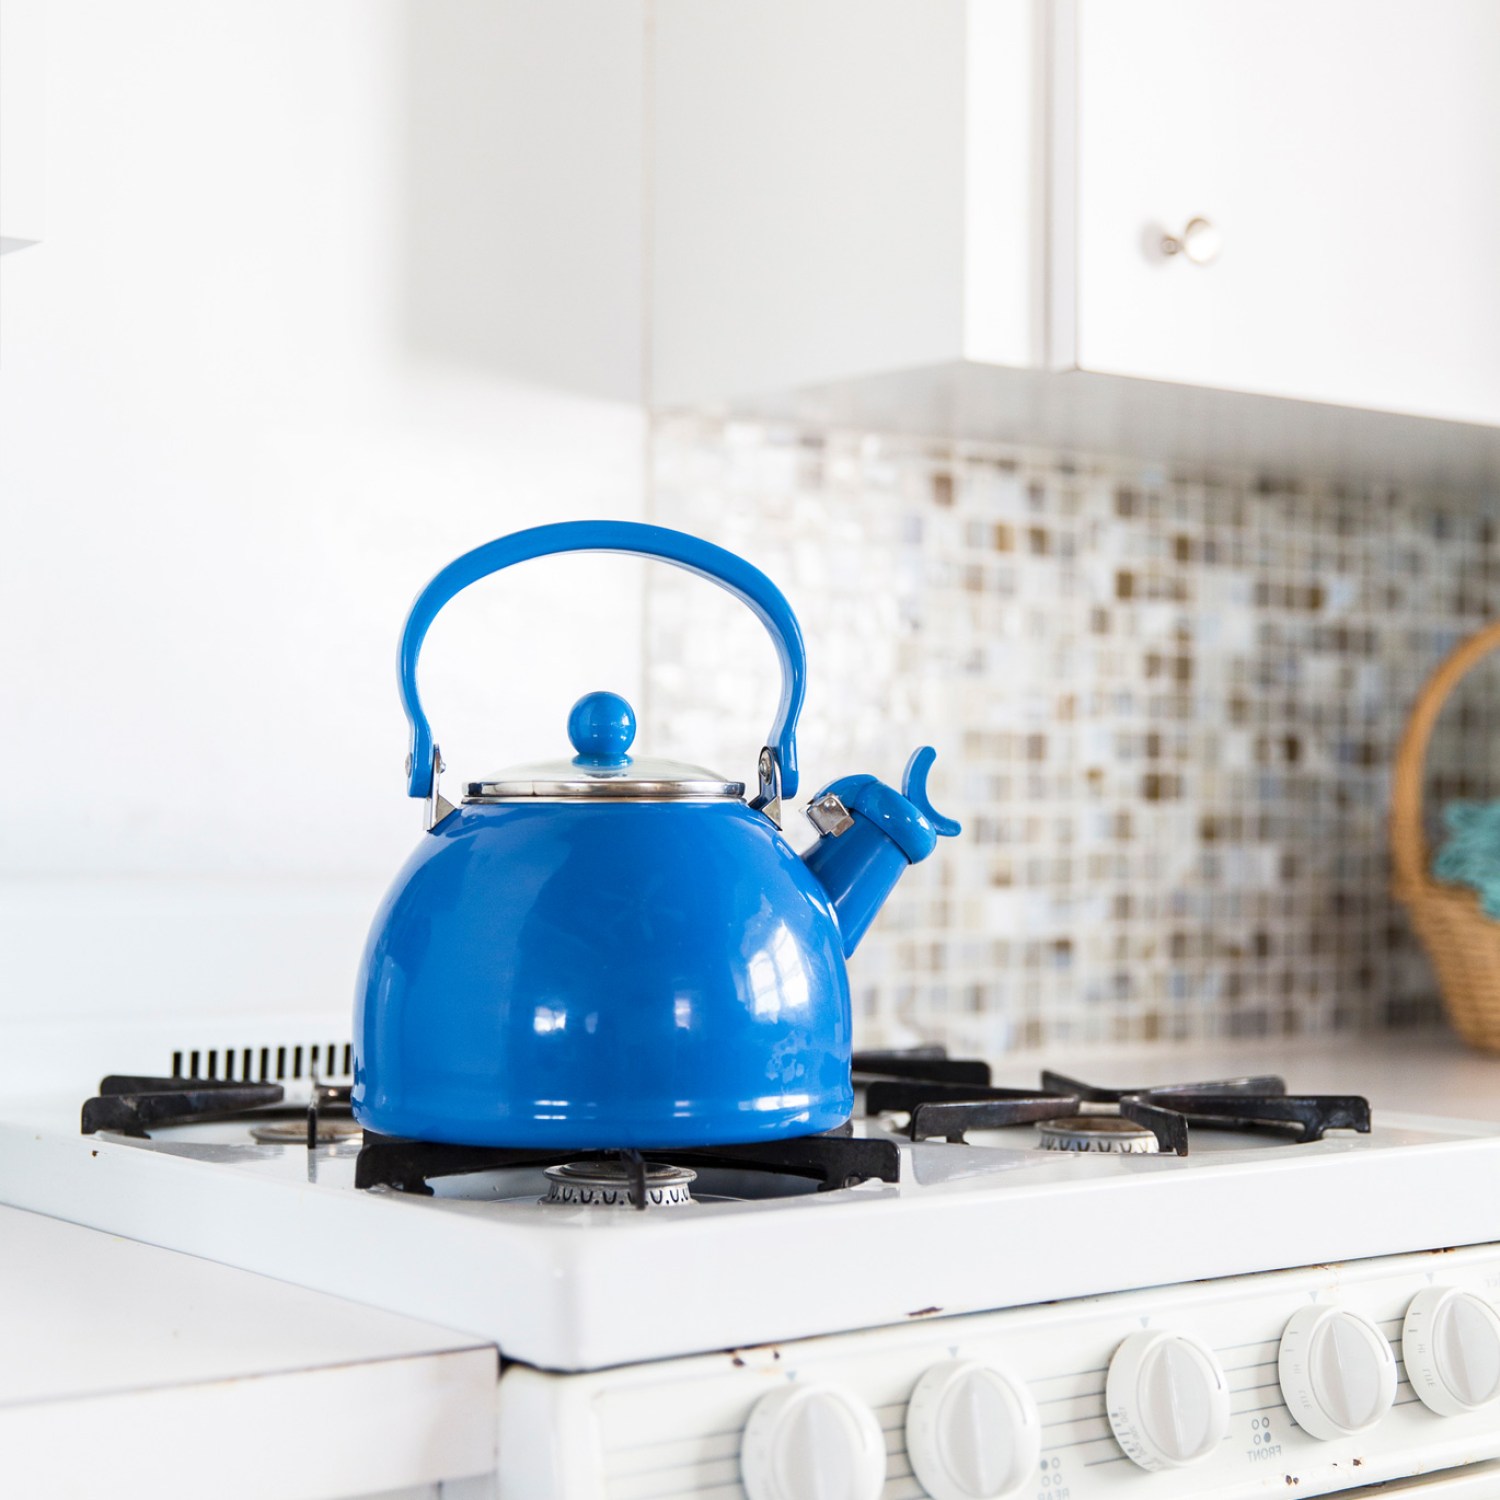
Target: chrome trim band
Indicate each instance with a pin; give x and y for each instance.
(605, 791)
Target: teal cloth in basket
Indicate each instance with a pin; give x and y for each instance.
(1471, 852)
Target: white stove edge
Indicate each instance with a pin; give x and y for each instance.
(559, 1299)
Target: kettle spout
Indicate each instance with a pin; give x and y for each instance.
(868, 834)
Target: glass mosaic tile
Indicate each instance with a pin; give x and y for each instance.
(1164, 706)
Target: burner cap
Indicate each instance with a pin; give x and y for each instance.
(607, 1184)
(1096, 1133)
(294, 1132)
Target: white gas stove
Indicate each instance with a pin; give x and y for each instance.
(976, 1317)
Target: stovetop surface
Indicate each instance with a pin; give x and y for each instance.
(924, 1123)
(989, 1161)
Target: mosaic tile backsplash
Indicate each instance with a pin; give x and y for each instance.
(1165, 710)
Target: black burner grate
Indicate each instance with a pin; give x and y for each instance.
(834, 1160)
(130, 1104)
(1229, 1104)
(940, 1108)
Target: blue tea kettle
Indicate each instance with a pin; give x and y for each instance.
(614, 951)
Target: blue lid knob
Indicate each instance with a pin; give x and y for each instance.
(602, 728)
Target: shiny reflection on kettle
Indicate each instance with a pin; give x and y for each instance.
(778, 977)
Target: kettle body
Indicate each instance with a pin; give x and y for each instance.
(614, 952)
(597, 1003)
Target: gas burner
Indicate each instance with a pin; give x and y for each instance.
(1097, 1133)
(294, 1132)
(921, 1084)
(835, 1160)
(613, 1184)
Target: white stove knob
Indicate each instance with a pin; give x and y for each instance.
(1337, 1371)
(1168, 1400)
(1451, 1344)
(812, 1442)
(972, 1433)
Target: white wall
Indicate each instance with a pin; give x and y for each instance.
(308, 319)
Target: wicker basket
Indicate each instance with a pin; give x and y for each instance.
(1462, 942)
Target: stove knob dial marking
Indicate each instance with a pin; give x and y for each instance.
(812, 1442)
(1168, 1400)
(1450, 1341)
(972, 1433)
(1337, 1371)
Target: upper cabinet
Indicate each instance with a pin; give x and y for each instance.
(1340, 161)
(1199, 227)
(839, 187)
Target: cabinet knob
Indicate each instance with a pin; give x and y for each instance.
(1199, 242)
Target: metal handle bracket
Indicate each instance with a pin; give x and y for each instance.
(768, 799)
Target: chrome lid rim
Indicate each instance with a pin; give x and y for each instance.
(600, 790)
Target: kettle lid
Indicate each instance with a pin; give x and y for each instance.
(601, 727)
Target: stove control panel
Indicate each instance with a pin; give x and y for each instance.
(1306, 1382)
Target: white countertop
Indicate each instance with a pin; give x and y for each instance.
(129, 1370)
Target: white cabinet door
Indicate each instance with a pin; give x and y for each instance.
(839, 188)
(1347, 152)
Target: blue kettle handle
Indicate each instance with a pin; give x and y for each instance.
(748, 584)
